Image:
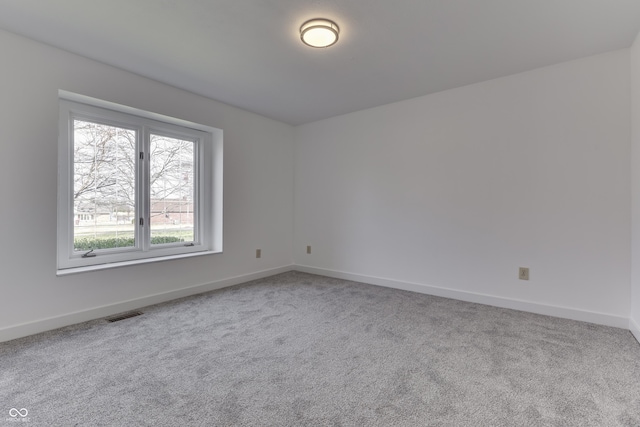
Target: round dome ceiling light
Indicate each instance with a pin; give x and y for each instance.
(319, 33)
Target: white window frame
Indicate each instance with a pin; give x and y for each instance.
(207, 176)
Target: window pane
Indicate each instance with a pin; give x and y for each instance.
(172, 186)
(104, 186)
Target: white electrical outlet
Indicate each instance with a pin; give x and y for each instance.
(523, 273)
(308, 249)
(258, 253)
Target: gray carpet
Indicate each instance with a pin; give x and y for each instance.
(304, 350)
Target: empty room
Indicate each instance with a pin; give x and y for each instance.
(320, 213)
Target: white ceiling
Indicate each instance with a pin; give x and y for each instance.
(248, 53)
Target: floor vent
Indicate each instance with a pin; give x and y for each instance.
(123, 316)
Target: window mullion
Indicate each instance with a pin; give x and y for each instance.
(197, 203)
(143, 190)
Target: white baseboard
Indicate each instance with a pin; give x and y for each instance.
(634, 327)
(42, 325)
(548, 310)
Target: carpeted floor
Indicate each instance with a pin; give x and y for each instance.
(304, 350)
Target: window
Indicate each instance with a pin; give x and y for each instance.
(134, 186)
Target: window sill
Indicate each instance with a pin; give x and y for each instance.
(75, 270)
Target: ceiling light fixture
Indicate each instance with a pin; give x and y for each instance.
(319, 32)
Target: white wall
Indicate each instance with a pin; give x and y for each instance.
(450, 193)
(634, 323)
(258, 179)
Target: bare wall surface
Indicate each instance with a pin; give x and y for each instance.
(458, 189)
(634, 323)
(258, 176)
